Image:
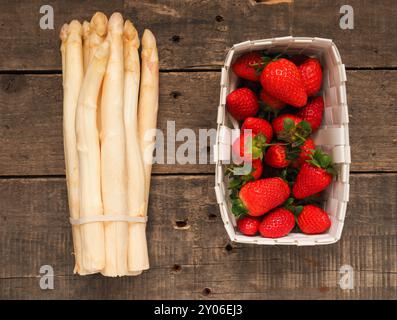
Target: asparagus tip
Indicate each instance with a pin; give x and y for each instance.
(131, 34)
(75, 27)
(63, 34)
(116, 23)
(99, 23)
(86, 29)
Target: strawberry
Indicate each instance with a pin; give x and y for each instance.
(258, 197)
(312, 76)
(248, 66)
(313, 220)
(314, 176)
(276, 156)
(313, 112)
(277, 223)
(258, 125)
(298, 59)
(257, 169)
(306, 152)
(289, 127)
(248, 147)
(242, 103)
(248, 226)
(271, 102)
(282, 80)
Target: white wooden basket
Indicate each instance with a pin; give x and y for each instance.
(332, 137)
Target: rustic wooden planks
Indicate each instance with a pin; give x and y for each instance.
(198, 261)
(31, 119)
(196, 34)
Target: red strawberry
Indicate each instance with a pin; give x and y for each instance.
(314, 176)
(278, 123)
(248, 147)
(313, 112)
(257, 169)
(289, 127)
(282, 80)
(271, 102)
(248, 226)
(260, 196)
(313, 220)
(276, 156)
(248, 66)
(298, 59)
(306, 152)
(312, 76)
(277, 223)
(242, 103)
(258, 125)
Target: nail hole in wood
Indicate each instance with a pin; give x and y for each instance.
(176, 268)
(219, 18)
(181, 224)
(7, 127)
(206, 291)
(175, 94)
(176, 38)
(212, 216)
(229, 247)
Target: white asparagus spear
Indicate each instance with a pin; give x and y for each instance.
(72, 78)
(92, 234)
(113, 160)
(86, 45)
(135, 170)
(63, 35)
(147, 121)
(98, 31)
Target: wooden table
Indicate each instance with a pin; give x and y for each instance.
(191, 257)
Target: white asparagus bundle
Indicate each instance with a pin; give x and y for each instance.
(92, 234)
(147, 121)
(135, 171)
(109, 138)
(72, 78)
(113, 159)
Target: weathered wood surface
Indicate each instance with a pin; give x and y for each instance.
(198, 261)
(196, 34)
(31, 119)
(195, 260)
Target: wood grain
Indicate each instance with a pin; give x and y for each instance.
(31, 119)
(196, 34)
(198, 262)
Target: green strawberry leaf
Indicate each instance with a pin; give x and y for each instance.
(288, 124)
(235, 183)
(238, 208)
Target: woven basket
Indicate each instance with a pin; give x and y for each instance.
(332, 137)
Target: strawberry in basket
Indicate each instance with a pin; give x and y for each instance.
(313, 113)
(282, 80)
(314, 176)
(258, 197)
(248, 226)
(242, 103)
(277, 223)
(249, 66)
(312, 76)
(258, 126)
(313, 220)
(289, 127)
